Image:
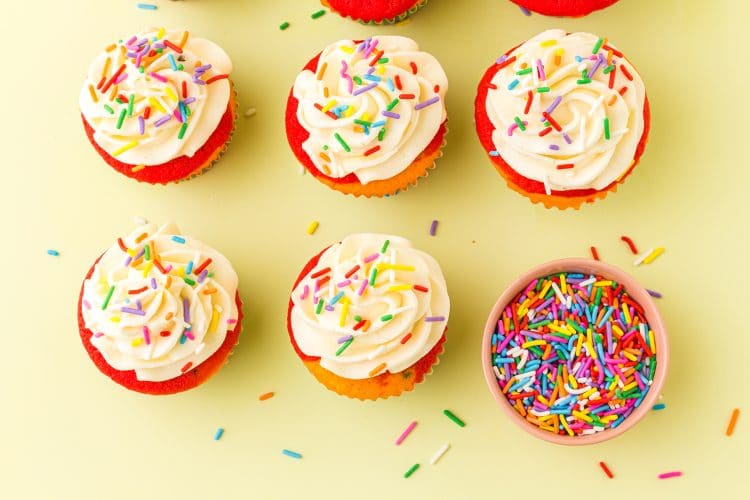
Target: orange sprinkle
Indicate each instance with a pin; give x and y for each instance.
(325, 156)
(377, 369)
(110, 48)
(92, 91)
(121, 244)
(322, 71)
(184, 38)
(733, 421)
(138, 168)
(612, 100)
(169, 316)
(267, 395)
(209, 291)
(186, 367)
(169, 280)
(105, 69)
(113, 94)
(141, 237)
(325, 92)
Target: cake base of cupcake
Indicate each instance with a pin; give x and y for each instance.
(184, 167)
(393, 11)
(380, 386)
(192, 378)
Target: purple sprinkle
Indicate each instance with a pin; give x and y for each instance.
(161, 121)
(139, 254)
(189, 100)
(159, 45)
(391, 114)
(130, 310)
(567, 139)
(329, 308)
(344, 339)
(433, 227)
(501, 59)
(526, 12)
(432, 319)
(202, 275)
(552, 106)
(364, 89)
(370, 258)
(203, 68)
(596, 66)
(370, 48)
(426, 103)
(141, 125)
(186, 310)
(371, 70)
(128, 260)
(654, 293)
(554, 147)
(153, 283)
(198, 81)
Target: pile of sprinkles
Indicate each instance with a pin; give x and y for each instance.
(335, 298)
(128, 58)
(573, 353)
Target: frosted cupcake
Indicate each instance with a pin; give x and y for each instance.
(368, 117)
(159, 106)
(159, 312)
(375, 11)
(563, 117)
(568, 8)
(368, 316)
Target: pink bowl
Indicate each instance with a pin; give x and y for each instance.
(636, 291)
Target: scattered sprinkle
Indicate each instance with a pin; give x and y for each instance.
(658, 406)
(411, 471)
(406, 432)
(283, 25)
(630, 244)
(53, 252)
(433, 227)
(594, 253)
(317, 14)
(526, 12)
(219, 433)
(290, 453)
(312, 227)
(649, 256)
(250, 112)
(453, 417)
(654, 293)
(606, 470)
(266, 395)
(733, 421)
(668, 475)
(146, 6)
(439, 454)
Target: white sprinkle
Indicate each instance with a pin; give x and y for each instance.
(440, 453)
(200, 347)
(140, 220)
(588, 282)
(250, 112)
(497, 372)
(558, 292)
(547, 189)
(377, 352)
(301, 170)
(639, 260)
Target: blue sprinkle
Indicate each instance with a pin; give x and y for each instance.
(178, 239)
(219, 433)
(53, 252)
(189, 267)
(147, 6)
(658, 406)
(336, 298)
(495, 153)
(172, 62)
(290, 453)
(513, 84)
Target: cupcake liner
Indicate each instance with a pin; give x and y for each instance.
(564, 8)
(192, 378)
(126, 169)
(382, 22)
(381, 386)
(561, 200)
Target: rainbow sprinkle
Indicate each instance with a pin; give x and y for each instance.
(454, 418)
(573, 353)
(406, 432)
(411, 471)
(669, 475)
(290, 453)
(53, 252)
(147, 6)
(219, 433)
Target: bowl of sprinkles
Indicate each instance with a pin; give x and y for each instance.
(575, 351)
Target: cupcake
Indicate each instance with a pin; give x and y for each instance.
(563, 117)
(375, 11)
(368, 118)
(575, 351)
(159, 312)
(159, 106)
(569, 8)
(368, 316)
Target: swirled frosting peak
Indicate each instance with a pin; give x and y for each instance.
(373, 303)
(159, 303)
(156, 96)
(567, 111)
(370, 107)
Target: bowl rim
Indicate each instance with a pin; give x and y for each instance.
(635, 290)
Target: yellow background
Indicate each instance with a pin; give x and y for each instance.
(66, 431)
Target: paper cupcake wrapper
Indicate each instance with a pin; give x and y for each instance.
(383, 22)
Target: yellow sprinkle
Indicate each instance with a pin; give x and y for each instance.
(399, 288)
(124, 148)
(548, 43)
(312, 227)
(115, 319)
(590, 345)
(581, 416)
(589, 393)
(532, 343)
(350, 111)
(608, 418)
(603, 283)
(365, 116)
(563, 284)
(377, 369)
(394, 267)
(346, 48)
(653, 255)
(545, 289)
(614, 383)
(617, 330)
(626, 312)
(328, 106)
(160, 33)
(555, 328)
(629, 386)
(136, 341)
(573, 381)
(138, 168)
(579, 343)
(629, 355)
(381, 69)
(214, 321)
(344, 311)
(565, 425)
(651, 341)
(170, 93)
(147, 268)
(156, 104)
(131, 252)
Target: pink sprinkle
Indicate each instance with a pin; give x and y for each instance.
(231, 321)
(146, 335)
(121, 78)
(667, 475)
(86, 304)
(344, 283)
(362, 287)
(158, 77)
(512, 128)
(372, 257)
(406, 432)
(304, 293)
(167, 269)
(98, 334)
(189, 335)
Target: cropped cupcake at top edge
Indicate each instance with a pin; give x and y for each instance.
(564, 8)
(159, 106)
(564, 118)
(159, 312)
(368, 118)
(368, 316)
(375, 11)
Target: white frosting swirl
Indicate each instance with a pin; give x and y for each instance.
(157, 139)
(159, 325)
(409, 296)
(349, 97)
(583, 107)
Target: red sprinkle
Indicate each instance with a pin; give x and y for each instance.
(172, 46)
(329, 113)
(184, 89)
(545, 131)
(159, 266)
(186, 367)
(136, 292)
(406, 96)
(529, 99)
(552, 121)
(507, 62)
(216, 78)
(101, 82)
(611, 83)
(565, 166)
(492, 86)
(614, 51)
(630, 244)
(626, 72)
(200, 268)
(121, 244)
(322, 281)
(413, 67)
(352, 271)
(398, 82)
(378, 54)
(420, 288)
(372, 150)
(406, 338)
(623, 90)
(606, 470)
(165, 333)
(113, 78)
(594, 253)
(147, 112)
(320, 273)
(359, 325)
(436, 88)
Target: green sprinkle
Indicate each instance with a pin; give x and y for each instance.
(411, 471)
(547, 124)
(283, 26)
(147, 252)
(373, 275)
(540, 324)
(392, 104)
(180, 67)
(575, 326)
(381, 134)
(357, 80)
(121, 118)
(524, 71)
(319, 307)
(141, 69)
(109, 110)
(385, 246)
(182, 131)
(357, 318)
(383, 60)
(542, 90)
(130, 104)
(342, 142)
(608, 69)
(597, 46)
(519, 122)
(453, 417)
(318, 14)
(387, 317)
(325, 147)
(109, 296)
(606, 131)
(583, 81)
(344, 346)
(363, 123)
(598, 296)
(189, 281)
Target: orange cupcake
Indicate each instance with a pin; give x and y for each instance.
(368, 118)
(368, 316)
(159, 312)
(564, 118)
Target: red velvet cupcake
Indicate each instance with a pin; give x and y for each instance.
(568, 8)
(564, 118)
(375, 11)
(159, 106)
(159, 312)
